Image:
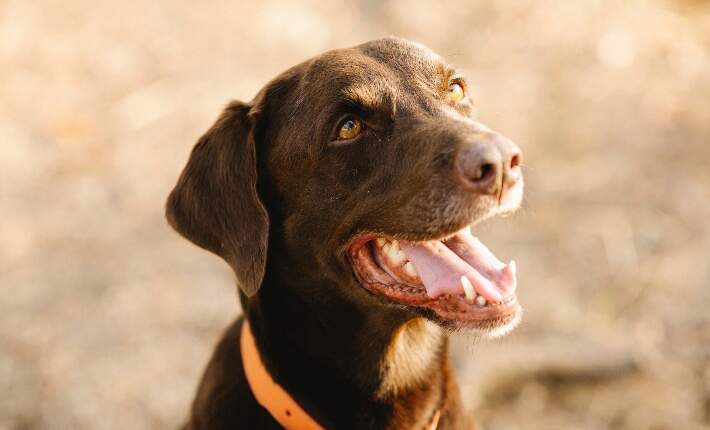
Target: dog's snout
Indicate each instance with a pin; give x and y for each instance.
(490, 164)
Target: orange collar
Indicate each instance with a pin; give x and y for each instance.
(268, 393)
(272, 397)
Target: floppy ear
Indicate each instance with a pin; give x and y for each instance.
(215, 203)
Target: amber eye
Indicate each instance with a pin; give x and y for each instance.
(349, 129)
(455, 92)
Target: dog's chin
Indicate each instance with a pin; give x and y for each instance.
(480, 329)
(451, 279)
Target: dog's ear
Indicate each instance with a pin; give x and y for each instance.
(215, 202)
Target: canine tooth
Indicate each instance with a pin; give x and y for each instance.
(468, 289)
(508, 276)
(481, 301)
(513, 267)
(410, 270)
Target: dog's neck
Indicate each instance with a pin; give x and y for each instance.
(414, 347)
(326, 350)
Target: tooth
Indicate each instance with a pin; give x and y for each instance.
(398, 256)
(481, 301)
(410, 270)
(380, 241)
(394, 254)
(468, 289)
(508, 276)
(401, 256)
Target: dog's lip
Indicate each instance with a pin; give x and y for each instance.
(452, 309)
(365, 236)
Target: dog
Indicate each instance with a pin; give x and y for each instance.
(342, 197)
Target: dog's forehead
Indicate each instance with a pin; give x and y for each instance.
(382, 62)
(403, 55)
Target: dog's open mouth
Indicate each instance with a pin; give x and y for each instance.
(457, 277)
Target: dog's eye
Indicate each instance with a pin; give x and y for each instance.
(349, 129)
(455, 92)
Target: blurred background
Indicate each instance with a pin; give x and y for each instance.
(107, 317)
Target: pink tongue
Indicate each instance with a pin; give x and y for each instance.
(441, 266)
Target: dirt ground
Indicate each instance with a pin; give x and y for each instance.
(107, 317)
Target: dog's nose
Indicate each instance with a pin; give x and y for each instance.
(489, 165)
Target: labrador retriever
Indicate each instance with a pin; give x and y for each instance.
(343, 196)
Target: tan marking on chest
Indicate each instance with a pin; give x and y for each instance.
(411, 353)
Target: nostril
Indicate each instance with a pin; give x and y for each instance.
(515, 161)
(481, 168)
(484, 172)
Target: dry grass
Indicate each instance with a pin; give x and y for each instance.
(107, 317)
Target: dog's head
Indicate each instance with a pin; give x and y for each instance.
(358, 173)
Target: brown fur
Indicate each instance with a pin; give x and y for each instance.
(268, 190)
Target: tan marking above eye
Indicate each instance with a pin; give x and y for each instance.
(455, 92)
(350, 129)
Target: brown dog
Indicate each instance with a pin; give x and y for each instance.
(342, 196)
